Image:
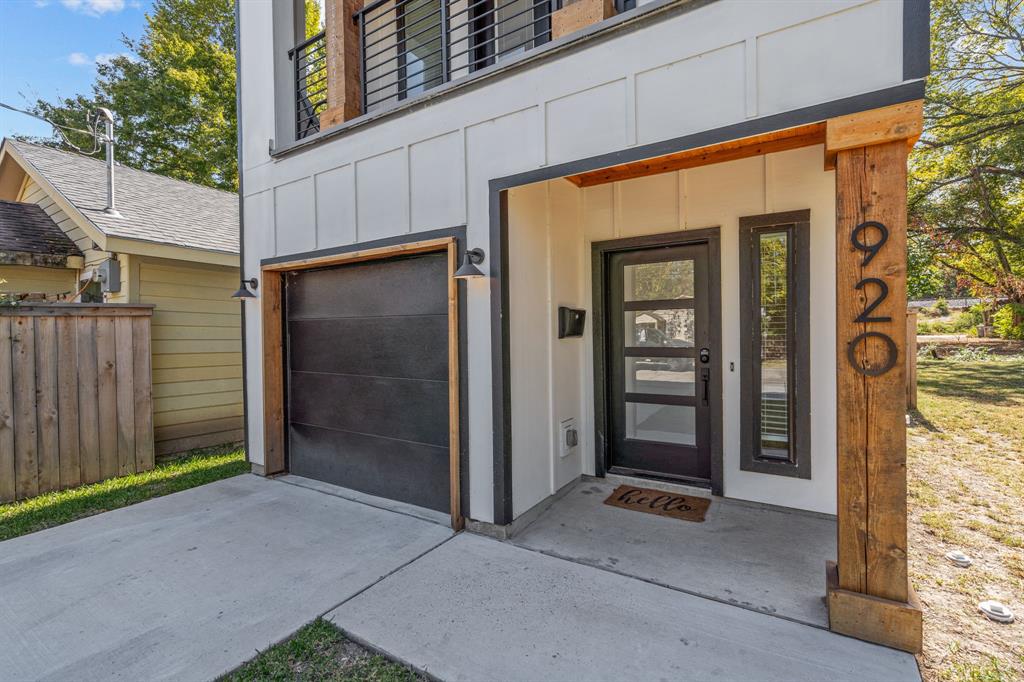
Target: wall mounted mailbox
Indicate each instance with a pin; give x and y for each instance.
(570, 321)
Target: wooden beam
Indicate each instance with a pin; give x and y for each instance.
(902, 122)
(576, 15)
(271, 295)
(454, 473)
(767, 143)
(344, 85)
(895, 624)
(871, 258)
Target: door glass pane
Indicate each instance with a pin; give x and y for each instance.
(661, 423)
(658, 281)
(667, 376)
(514, 22)
(659, 328)
(422, 59)
(774, 323)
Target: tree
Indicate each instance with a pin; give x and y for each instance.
(174, 97)
(966, 198)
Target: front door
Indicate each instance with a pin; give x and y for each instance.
(659, 362)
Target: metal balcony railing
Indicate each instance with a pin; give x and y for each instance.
(411, 46)
(309, 59)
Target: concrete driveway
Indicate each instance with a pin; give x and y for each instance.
(188, 586)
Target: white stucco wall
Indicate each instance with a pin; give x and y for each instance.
(429, 167)
(552, 226)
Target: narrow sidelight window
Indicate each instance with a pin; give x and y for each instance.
(774, 271)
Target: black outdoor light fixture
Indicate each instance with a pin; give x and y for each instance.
(244, 292)
(469, 270)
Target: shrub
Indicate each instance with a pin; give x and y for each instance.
(940, 327)
(1008, 322)
(965, 321)
(970, 354)
(941, 308)
(924, 327)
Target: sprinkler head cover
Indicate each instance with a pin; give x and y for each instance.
(996, 611)
(959, 558)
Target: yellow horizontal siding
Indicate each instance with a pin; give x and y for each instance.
(174, 375)
(197, 358)
(165, 332)
(185, 388)
(196, 415)
(28, 279)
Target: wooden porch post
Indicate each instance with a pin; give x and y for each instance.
(869, 595)
(344, 80)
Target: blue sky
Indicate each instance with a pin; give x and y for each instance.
(49, 48)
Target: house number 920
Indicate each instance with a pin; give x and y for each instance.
(871, 250)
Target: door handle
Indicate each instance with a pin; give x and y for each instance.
(705, 376)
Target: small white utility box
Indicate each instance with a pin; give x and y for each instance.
(569, 437)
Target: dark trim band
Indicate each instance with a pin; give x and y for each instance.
(916, 39)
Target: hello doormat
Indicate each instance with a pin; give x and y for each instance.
(685, 507)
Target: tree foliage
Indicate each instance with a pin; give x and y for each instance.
(966, 199)
(174, 96)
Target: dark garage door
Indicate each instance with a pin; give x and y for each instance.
(368, 377)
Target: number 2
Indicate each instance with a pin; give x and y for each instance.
(882, 294)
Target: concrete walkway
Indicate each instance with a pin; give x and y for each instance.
(189, 586)
(478, 609)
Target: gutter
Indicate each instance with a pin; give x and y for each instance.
(241, 224)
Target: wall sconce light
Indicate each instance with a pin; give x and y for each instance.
(244, 292)
(469, 270)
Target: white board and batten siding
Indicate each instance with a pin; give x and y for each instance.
(719, 64)
(197, 353)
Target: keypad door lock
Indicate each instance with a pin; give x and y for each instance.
(705, 356)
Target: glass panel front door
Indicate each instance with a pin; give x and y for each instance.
(658, 363)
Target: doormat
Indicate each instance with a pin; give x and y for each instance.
(685, 507)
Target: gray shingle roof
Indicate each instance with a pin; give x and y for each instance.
(153, 208)
(25, 228)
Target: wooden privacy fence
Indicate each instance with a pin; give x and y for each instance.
(76, 403)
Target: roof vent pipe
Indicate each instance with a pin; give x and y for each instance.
(108, 140)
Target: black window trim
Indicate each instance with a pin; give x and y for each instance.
(797, 225)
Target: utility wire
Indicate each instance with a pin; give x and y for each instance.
(59, 129)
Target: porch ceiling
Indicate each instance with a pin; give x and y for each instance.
(767, 143)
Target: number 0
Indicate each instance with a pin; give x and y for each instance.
(892, 354)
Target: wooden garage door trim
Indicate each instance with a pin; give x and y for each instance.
(274, 417)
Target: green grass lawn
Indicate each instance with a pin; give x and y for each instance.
(965, 470)
(320, 652)
(52, 509)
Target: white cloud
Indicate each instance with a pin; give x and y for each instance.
(106, 57)
(94, 7)
(82, 59)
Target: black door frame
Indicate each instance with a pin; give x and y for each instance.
(599, 258)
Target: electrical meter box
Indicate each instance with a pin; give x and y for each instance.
(108, 274)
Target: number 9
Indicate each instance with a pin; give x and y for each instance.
(870, 250)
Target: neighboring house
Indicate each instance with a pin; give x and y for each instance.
(734, 169)
(36, 258)
(176, 247)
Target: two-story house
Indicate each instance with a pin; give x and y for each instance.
(503, 245)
